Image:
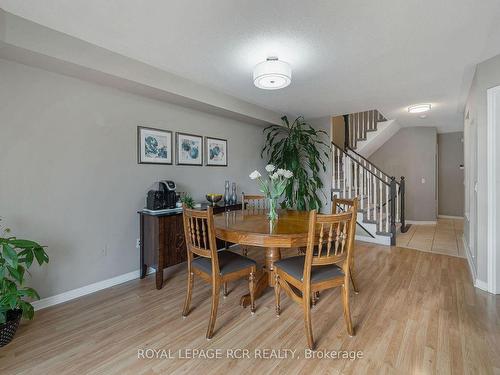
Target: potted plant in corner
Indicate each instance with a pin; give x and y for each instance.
(301, 149)
(16, 257)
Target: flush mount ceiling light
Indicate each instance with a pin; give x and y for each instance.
(419, 108)
(272, 74)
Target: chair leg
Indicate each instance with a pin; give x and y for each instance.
(315, 297)
(356, 290)
(277, 288)
(213, 311)
(307, 320)
(224, 289)
(251, 287)
(347, 309)
(187, 302)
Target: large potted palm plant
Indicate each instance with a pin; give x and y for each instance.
(16, 257)
(301, 149)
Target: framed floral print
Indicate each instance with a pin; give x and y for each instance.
(154, 146)
(216, 152)
(189, 149)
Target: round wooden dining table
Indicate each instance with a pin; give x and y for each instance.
(252, 228)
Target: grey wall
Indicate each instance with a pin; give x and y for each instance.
(69, 172)
(450, 176)
(411, 152)
(487, 76)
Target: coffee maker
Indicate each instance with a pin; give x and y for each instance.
(163, 198)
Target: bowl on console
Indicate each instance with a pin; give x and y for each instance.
(213, 198)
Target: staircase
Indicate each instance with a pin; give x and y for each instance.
(367, 131)
(381, 207)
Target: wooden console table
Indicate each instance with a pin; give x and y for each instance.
(162, 240)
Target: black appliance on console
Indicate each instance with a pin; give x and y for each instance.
(164, 198)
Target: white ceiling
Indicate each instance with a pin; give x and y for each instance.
(346, 56)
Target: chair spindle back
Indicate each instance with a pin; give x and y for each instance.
(255, 202)
(330, 239)
(199, 231)
(340, 205)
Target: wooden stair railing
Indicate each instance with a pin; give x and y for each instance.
(382, 197)
(357, 126)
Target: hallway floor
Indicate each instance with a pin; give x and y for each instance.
(444, 237)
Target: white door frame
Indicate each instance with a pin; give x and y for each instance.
(493, 120)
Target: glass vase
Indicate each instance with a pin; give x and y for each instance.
(227, 195)
(273, 206)
(234, 197)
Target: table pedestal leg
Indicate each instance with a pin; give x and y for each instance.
(265, 277)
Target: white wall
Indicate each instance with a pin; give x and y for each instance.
(69, 172)
(487, 75)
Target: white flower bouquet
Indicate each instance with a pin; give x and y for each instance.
(273, 186)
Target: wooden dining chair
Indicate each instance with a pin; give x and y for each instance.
(340, 205)
(252, 202)
(256, 202)
(213, 266)
(329, 243)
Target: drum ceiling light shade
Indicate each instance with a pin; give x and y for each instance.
(272, 74)
(419, 108)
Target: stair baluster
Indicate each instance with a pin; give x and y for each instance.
(355, 165)
(386, 209)
(338, 168)
(344, 175)
(349, 176)
(380, 206)
(363, 192)
(368, 209)
(382, 197)
(374, 198)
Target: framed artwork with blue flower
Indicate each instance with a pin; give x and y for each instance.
(189, 149)
(154, 146)
(216, 152)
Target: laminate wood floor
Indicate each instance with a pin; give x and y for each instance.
(417, 313)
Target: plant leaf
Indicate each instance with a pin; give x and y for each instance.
(17, 273)
(24, 244)
(40, 255)
(9, 254)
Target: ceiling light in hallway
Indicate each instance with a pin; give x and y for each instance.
(272, 74)
(419, 108)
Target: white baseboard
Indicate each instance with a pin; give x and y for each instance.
(84, 290)
(381, 240)
(450, 217)
(417, 222)
(483, 285)
(468, 255)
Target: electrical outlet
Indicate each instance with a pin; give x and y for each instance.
(138, 243)
(105, 250)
